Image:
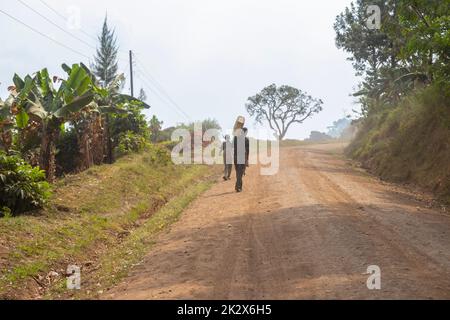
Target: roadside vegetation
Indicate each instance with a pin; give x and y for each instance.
(89, 216)
(85, 178)
(404, 127)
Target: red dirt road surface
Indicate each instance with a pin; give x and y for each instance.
(309, 232)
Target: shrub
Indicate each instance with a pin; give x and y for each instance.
(158, 155)
(130, 142)
(169, 145)
(22, 187)
(68, 153)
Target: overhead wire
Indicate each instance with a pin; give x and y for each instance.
(64, 18)
(56, 25)
(43, 34)
(139, 75)
(160, 88)
(146, 78)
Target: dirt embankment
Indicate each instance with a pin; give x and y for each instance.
(409, 143)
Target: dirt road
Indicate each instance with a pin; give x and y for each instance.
(309, 232)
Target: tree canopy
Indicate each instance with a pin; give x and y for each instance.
(281, 107)
(409, 49)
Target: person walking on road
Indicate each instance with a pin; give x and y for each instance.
(241, 156)
(227, 151)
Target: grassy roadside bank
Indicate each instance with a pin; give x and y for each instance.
(409, 143)
(102, 220)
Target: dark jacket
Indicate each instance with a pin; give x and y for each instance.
(228, 152)
(241, 150)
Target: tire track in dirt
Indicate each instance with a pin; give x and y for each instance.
(309, 232)
(419, 267)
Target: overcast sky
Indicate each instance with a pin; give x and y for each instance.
(209, 56)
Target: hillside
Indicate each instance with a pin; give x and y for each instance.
(409, 143)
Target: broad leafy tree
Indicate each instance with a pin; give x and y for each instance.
(282, 107)
(409, 49)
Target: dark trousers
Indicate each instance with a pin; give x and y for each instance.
(240, 171)
(227, 171)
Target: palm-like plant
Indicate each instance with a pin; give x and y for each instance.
(388, 86)
(53, 102)
(92, 124)
(51, 107)
(110, 102)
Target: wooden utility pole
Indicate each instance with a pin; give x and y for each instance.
(131, 73)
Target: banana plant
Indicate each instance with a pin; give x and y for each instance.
(108, 102)
(6, 122)
(112, 102)
(110, 97)
(389, 86)
(52, 107)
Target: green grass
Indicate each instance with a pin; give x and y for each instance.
(87, 215)
(116, 263)
(409, 143)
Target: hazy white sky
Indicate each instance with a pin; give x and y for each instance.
(209, 55)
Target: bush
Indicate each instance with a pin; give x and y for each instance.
(169, 145)
(22, 187)
(68, 153)
(158, 155)
(130, 142)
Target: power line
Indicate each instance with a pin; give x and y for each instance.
(56, 25)
(158, 91)
(146, 75)
(65, 19)
(60, 15)
(148, 86)
(43, 35)
(160, 88)
(157, 84)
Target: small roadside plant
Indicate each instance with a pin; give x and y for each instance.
(130, 142)
(158, 155)
(22, 187)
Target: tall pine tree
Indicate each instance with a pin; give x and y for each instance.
(105, 66)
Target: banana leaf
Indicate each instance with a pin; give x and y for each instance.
(112, 110)
(90, 74)
(18, 82)
(122, 98)
(66, 68)
(26, 90)
(22, 119)
(75, 106)
(5, 111)
(116, 84)
(36, 109)
(44, 82)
